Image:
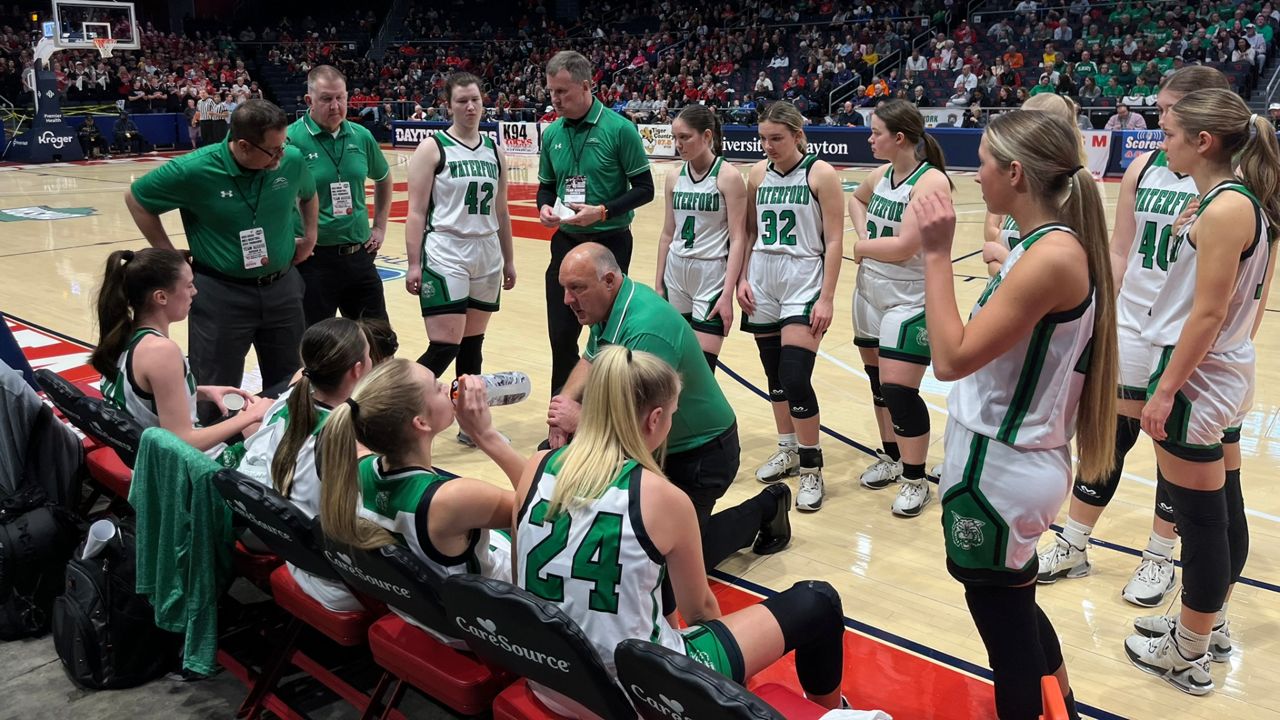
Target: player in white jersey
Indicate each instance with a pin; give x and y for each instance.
(1201, 324)
(700, 250)
(458, 234)
(144, 372)
(1000, 233)
(282, 453)
(1151, 198)
(787, 293)
(396, 411)
(1034, 365)
(599, 531)
(888, 304)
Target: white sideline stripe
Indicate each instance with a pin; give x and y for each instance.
(932, 385)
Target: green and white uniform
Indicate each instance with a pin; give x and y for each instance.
(1160, 197)
(1219, 392)
(888, 303)
(1010, 235)
(461, 254)
(699, 252)
(398, 499)
(1007, 463)
(596, 561)
(785, 270)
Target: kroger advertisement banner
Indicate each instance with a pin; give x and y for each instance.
(519, 138)
(658, 140)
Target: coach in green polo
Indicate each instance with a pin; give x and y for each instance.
(593, 164)
(702, 447)
(340, 275)
(237, 200)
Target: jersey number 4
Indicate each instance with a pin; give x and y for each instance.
(595, 560)
(686, 232)
(784, 235)
(479, 198)
(1157, 253)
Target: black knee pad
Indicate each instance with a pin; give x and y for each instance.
(770, 347)
(1008, 622)
(439, 356)
(471, 355)
(1237, 525)
(906, 407)
(1164, 502)
(811, 618)
(873, 375)
(795, 372)
(1127, 430)
(1201, 516)
(1050, 647)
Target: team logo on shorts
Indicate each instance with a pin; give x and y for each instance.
(428, 290)
(922, 336)
(966, 532)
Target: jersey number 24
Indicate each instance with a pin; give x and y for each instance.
(595, 560)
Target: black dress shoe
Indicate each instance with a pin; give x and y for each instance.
(776, 534)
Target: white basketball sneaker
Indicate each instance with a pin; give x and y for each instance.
(1157, 625)
(783, 463)
(913, 496)
(1160, 657)
(1062, 560)
(882, 473)
(809, 499)
(1151, 582)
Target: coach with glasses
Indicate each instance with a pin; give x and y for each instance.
(237, 200)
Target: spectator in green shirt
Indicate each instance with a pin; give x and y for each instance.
(1086, 67)
(237, 199)
(1044, 86)
(1113, 89)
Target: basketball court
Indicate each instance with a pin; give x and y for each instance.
(913, 649)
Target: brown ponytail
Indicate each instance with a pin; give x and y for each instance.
(127, 283)
(902, 116)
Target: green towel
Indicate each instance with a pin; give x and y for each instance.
(184, 541)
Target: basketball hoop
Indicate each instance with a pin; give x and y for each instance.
(104, 45)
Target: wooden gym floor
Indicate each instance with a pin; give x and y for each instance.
(913, 649)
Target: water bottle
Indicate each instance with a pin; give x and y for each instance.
(504, 388)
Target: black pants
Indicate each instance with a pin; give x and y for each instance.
(705, 474)
(226, 318)
(341, 283)
(562, 326)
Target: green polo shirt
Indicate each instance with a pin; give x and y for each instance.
(604, 147)
(218, 200)
(641, 320)
(352, 156)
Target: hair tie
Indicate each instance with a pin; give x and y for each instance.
(1072, 172)
(355, 407)
(127, 256)
(629, 356)
(306, 373)
(1253, 126)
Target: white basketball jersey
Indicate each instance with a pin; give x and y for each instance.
(1161, 196)
(595, 562)
(702, 218)
(884, 219)
(260, 452)
(788, 217)
(123, 393)
(1173, 303)
(1010, 235)
(464, 194)
(1028, 396)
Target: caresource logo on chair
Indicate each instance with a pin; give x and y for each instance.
(487, 630)
(669, 708)
(343, 562)
(242, 511)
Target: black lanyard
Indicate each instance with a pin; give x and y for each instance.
(337, 164)
(244, 196)
(577, 156)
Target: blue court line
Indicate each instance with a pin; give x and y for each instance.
(1252, 582)
(889, 638)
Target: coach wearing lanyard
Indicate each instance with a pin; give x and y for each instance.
(237, 200)
(702, 447)
(340, 275)
(593, 165)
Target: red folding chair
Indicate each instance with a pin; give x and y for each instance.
(1055, 708)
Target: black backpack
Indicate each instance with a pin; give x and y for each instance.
(37, 537)
(103, 630)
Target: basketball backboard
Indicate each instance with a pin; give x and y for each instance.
(78, 23)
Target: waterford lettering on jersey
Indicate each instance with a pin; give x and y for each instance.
(1162, 202)
(473, 168)
(487, 630)
(782, 195)
(706, 202)
(885, 208)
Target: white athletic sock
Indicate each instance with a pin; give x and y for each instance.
(787, 440)
(1162, 546)
(1221, 619)
(1190, 645)
(1077, 534)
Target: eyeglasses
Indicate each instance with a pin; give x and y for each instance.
(271, 154)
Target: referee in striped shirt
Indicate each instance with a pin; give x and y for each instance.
(208, 107)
